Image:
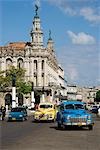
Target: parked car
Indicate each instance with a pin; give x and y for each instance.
(17, 113)
(46, 111)
(94, 109)
(73, 113)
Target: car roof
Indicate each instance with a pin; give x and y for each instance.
(71, 102)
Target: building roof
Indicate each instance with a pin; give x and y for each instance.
(18, 45)
(14, 45)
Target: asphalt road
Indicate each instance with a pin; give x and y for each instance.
(45, 136)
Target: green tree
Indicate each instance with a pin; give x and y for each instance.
(98, 96)
(24, 87)
(6, 81)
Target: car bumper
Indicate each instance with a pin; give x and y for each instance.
(14, 118)
(77, 124)
(43, 118)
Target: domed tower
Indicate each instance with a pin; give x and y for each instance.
(36, 32)
(50, 43)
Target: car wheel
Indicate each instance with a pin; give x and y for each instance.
(26, 118)
(90, 127)
(23, 119)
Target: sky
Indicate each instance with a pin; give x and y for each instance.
(75, 30)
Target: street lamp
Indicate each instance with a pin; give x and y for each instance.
(13, 90)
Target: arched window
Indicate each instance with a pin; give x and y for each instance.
(8, 63)
(20, 63)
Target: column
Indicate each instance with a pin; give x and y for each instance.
(32, 70)
(39, 72)
(26, 67)
(15, 62)
(45, 72)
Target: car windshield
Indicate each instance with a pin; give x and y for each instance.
(74, 106)
(69, 106)
(45, 106)
(17, 109)
(79, 106)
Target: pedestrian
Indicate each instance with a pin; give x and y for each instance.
(3, 110)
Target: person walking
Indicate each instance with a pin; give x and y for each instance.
(3, 110)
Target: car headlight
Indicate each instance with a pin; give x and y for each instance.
(20, 115)
(88, 117)
(68, 117)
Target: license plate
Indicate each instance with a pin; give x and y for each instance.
(79, 123)
(13, 118)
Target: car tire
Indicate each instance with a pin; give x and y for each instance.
(23, 119)
(90, 127)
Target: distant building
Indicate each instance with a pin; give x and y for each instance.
(39, 61)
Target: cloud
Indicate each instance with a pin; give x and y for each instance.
(88, 9)
(80, 63)
(81, 38)
(72, 72)
(90, 15)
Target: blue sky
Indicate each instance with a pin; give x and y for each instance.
(75, 30)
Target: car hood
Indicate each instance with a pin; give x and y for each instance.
(15, 113)
(75, 112)
(43, 111)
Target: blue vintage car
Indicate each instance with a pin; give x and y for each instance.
(17, 113)
(73, 113)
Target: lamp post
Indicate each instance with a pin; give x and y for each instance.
(13, 90)
(32, 96)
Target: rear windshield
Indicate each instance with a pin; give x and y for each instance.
(74, 106)
(45, 106)
(17, 110)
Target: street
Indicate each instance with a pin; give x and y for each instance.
(28, 135)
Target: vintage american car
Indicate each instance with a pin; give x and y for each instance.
(18, 113)
(73, 113)
(46, 111)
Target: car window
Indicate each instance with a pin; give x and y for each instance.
(45, 106)
(18, 110)
(79, 106)
(69, 106)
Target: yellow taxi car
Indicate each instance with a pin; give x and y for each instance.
(46, 111)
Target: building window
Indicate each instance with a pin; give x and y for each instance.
(35, 65)
(20, 63)
(42, 64)
(42, 79)
(35, 80)
(8, 63)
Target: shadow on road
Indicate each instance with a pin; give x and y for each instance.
(74, 128)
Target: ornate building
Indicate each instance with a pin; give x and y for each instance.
(39, 61)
